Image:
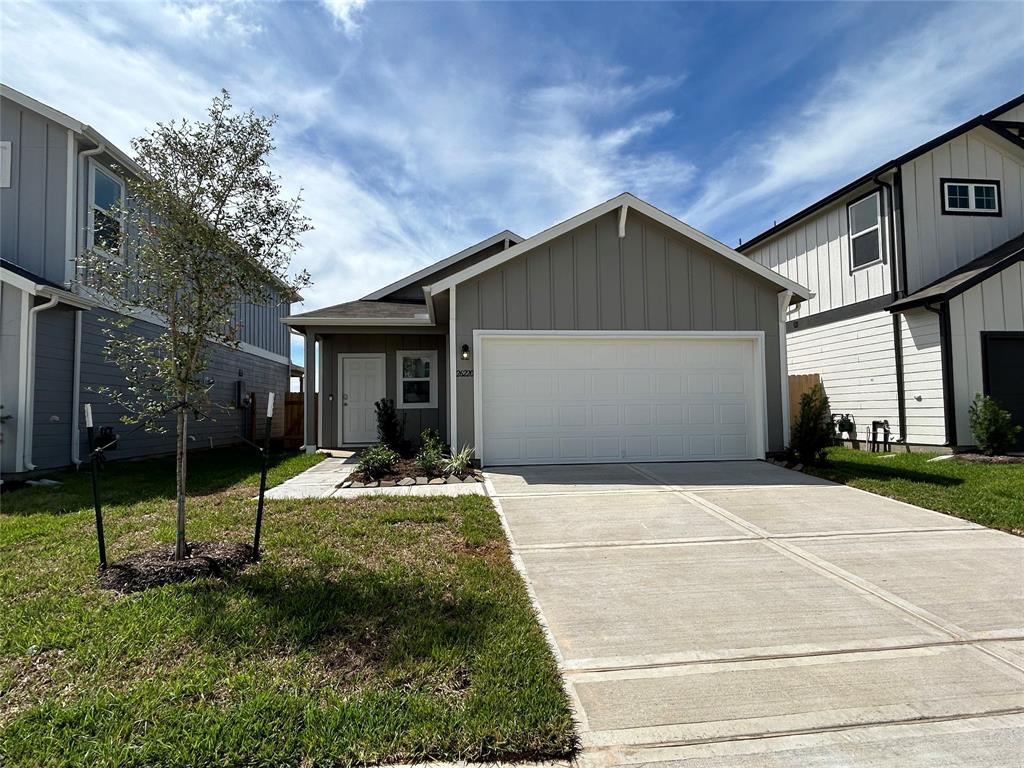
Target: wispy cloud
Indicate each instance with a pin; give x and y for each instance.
(865, 112)
(346, 13)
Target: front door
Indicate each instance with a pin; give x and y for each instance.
(362, 385)
(1004, 374)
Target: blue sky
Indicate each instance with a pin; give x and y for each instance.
(414, 130)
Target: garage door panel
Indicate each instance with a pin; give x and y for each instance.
(631, 399)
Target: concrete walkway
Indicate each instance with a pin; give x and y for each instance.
(323, 480)
(739, 614)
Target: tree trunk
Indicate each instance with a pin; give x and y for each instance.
(180, 547)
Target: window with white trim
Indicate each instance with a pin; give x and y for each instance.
(417, 379)
(865, 221)
(970, 196)
(106, 193)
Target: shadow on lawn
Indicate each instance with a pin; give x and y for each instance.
(838, 469)
(365, 619)
(127, 482)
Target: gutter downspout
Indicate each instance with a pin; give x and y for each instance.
(30, 384)
(897, 318)
(75, 390)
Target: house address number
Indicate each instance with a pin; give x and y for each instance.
(464, 374)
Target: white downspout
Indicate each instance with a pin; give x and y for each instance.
(30, 380)
(23, 361)
(76, 384)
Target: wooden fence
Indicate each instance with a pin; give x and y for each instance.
(293, 428)
(798, 385)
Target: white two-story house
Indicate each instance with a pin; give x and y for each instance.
(917, 269)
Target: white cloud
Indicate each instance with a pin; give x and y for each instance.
(346, 13)
(867, 112)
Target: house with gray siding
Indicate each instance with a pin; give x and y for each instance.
(917, 271)
(57, 175)
(621, 334)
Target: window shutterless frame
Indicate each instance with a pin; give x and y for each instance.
(430, 379)
(873, 231)
(94, 207)
(975, 190)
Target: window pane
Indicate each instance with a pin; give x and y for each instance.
(864, 214)
(415, 367)
(415, 392)
(985, 198)
(865, 249)
(106, 191)
(106, 232)
(956, 196)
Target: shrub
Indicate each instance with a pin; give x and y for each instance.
(377, 460)
(813, 431)
(391, 428)
(993, 427)
(459, 463)
(431, 453)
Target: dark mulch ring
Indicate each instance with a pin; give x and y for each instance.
(157, 567)
(981, 458)
(407, 469)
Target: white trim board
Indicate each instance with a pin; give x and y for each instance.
(635, 203)
(760, 377)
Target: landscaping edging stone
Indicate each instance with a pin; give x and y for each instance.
(473, 477)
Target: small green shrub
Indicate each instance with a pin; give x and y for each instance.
(993, 427)
(377, 460)
(813, 431)
(431, 453)
(391, 428)
(459, 463)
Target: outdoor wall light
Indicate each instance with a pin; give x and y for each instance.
(465, 351)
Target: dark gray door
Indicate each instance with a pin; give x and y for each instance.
(1003, 360)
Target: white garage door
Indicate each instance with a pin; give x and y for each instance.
(574, 398)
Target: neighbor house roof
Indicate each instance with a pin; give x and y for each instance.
(365, 312)
(987, 120)
(965, 277)
(36, 285)
(624, 203)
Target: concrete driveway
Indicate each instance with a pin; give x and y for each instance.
(739, 614)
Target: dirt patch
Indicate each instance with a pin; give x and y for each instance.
(157, 567)
(981, 458)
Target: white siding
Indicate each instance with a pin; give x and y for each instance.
(997, 304)
(922, 377)
(1017, 113)
(936, 243)
(816, 253)
(856, 360)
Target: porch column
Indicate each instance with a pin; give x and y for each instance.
(308, 400)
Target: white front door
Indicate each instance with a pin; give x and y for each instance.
(550, 398)
(362, 385)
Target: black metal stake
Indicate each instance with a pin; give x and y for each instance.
(263, 480)
(93, 462)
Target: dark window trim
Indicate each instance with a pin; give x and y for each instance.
(943, 181)
(878, 190)
(985, 336)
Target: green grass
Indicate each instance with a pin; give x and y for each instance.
(987, 494)
(373, 630)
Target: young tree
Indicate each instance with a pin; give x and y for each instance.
(204, 229)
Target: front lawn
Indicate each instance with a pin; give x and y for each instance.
(374, 630)
(987, 494)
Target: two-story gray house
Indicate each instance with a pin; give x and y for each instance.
(917, 270)
(58, 177)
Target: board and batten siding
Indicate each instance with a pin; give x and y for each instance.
(1017, 113)
(855, 359)
(54, 385)
(996, 304)
(816, 254)
(261, 326)
(938, 243)
(590, 279)
(922, 377)
(389, 343)
(33, 225)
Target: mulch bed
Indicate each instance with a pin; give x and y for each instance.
(157, 567)
(407, 469)
(981, 458)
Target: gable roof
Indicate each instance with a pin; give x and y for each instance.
(965, 277)
(625, 202)
(989, 120)
(431, 269)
